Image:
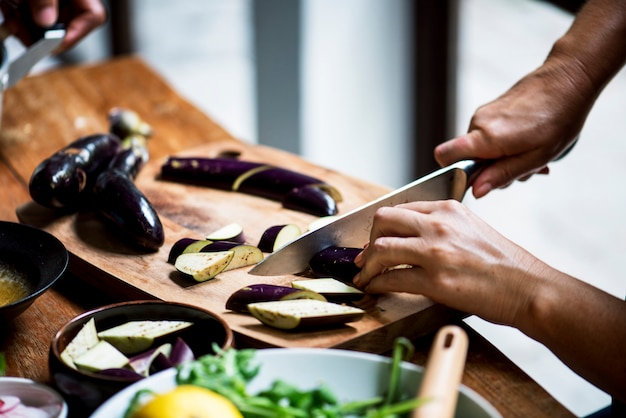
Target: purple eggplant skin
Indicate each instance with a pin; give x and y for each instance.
(310, 199)
(266, 242)
(215, 246)
(294, 190)
(239, 300)
(132, 158)
(178, 247)
(65, 179)
(274, 183)
(125, 374)
(120, 202)
(335, 262)
(181, 352)
(219, 173)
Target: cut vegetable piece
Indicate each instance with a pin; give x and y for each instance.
(243, 256)
(320, 222)
(335, 262)
(203, 266)
(256, 179)
(86, 338)
(178, 247)
(274, 182)
(276, 236)
(181, 352)
(310, 199)
(332, 289)
(219, 173)
(239, 300)
(216, 246)
(196, 247)
(125, 374)
(231, 232)
(135, 336)
(101, 356)
(141, 362)
(303, 313)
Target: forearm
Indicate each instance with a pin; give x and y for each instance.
(594, 48)
(583, 326)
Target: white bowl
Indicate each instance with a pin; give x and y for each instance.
(34, 395)
(350, 375)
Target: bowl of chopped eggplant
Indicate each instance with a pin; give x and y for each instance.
(31, 261)
(100, 352)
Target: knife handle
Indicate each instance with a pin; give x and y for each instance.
(443, 372)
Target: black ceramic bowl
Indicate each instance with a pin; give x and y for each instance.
(40, 256)
(86, 390)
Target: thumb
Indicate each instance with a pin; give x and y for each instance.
(463, 147)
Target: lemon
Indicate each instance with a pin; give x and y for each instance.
(188, 401)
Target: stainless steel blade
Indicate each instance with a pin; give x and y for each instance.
(353, 228)
(36, 52)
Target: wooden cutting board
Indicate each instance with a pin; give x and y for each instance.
(104, 259)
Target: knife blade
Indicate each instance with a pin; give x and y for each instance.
(48, 40)
(353, 228)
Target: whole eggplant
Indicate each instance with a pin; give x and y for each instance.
(64, 179)
(118, 200)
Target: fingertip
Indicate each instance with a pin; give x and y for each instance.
(45, 16)
(481, 189)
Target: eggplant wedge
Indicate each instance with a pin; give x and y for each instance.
(262, 292)
(294, 190)
(304, 313)
(64, 179)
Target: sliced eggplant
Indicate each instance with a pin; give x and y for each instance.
(101, 356)
(189, 245)
(303, 313)
(178, 247)
(119, 201)
(294, 190)
(335, 262)
(332, 289)
(142, 362)
(135, 336)
(230, 232)
(277, 236)
(254, 293)
(243, 256)
(65, 179)
(203, 266)
(86, 338)
(219, 173)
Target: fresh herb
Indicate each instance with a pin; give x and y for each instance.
(229, 372)
(3, 364)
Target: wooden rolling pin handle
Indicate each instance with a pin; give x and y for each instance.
(442, 374)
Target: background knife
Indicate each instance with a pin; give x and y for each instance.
(353, 228)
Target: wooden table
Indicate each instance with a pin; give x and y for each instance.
(42, 113)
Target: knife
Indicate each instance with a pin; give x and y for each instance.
(353, 228)
(48, 39)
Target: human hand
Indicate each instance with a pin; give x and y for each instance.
(526, 128)
(457, 260)
(79, 17)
